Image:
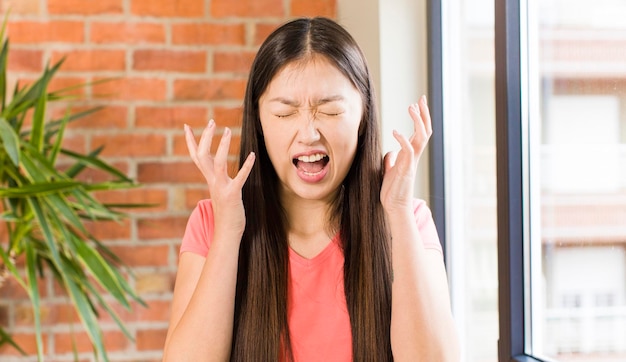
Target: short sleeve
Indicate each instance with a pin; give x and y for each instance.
(199, 232)
(426, 225)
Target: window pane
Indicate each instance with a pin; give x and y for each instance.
(469, 141)
(577, 57)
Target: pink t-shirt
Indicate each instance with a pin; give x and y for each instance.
(319, 323)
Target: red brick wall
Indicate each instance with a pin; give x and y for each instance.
(174, 62)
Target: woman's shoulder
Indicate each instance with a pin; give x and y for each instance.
(199, 230)
(420, 207)
(426, 224)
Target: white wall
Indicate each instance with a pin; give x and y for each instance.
(392, 34)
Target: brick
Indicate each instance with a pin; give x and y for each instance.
(327, 8)
(132, 89)
(228, 116)
(169, 172)
(85, 7)
(170, 117)
(14, 289)
(24, 314)
(154, 283)
(157, 310)
(131, 144)
(91, 60)
(142, 255)
(108, 117)
(178, 172)
(161, 228)
(212, 34)
(22, 60)
(66, 342)
(247, 8)
(139, 195)
(151, 339)
(68, 85)
(263, 30)
(4, 315)
(168, 8)
(209, 89)
(180, 145)
(26, 341)
(35, 32)
(63, 314)
(127, 33)
(95, 175)
(109, 230)
(75, 143)
(22, 7)
(193, 195)
(170, 60)
(233, 62)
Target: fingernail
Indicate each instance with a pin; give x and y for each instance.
(211, 123)
(186, 127)
(424, 99)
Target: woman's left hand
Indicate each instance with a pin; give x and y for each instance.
(400, 167)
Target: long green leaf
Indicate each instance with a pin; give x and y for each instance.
(63, 206)
(52, 127)
(36, 173)
(39, 189)
(95, 162)
(67, 278)
(29, 96)
(56, 147)
(111, 312)
(44, 224)
(86, 313)
(6, 260)
(101, 271)
(10, 141)
(4, 54)
(6, 338)
(38, 124)
(33, 292)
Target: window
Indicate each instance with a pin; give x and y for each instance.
(463, 159)
(538, 267)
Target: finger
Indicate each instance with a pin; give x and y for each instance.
(425, 113)
(405, 156)
(192, 147)
(419, 129)
(245, 170)
(389, 160)
(221, 155)
(206, 139)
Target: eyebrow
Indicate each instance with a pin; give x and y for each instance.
(293, 103)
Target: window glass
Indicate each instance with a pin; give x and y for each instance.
(577, 96)
(470, 172)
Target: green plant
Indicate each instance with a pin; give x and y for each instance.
(45, 208)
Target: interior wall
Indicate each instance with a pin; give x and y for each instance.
(392, 34)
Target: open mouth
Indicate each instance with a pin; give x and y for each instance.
(311, 164)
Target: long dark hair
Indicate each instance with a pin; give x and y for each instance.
(261, 332)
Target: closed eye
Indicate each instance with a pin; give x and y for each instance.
(285, 115)
(330, 113)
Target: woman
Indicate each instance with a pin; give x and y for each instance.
(316, 249)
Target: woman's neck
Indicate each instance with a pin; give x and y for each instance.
(309, 225)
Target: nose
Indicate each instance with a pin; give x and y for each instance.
(308, 129)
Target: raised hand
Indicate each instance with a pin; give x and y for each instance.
(225, 191)
(400, 167)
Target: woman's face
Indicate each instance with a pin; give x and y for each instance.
(310, 114)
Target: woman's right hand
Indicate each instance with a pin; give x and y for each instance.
(225, 191)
